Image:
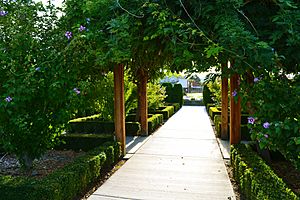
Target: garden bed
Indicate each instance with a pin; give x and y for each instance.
(257, 180)
(71, 177)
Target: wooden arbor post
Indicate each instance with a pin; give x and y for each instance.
(143, 103)
(235, 110)
(224, 111)
(119, 106)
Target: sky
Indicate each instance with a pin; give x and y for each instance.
(55, 2)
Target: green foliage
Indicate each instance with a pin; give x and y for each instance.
(257, 180)
(65, 183)
(85, 142)
(174, 93)
(213, 111)
(166, 111)
(207, 95)
(275, 99)
(156, 95)
(98, 97)
(101, 127)
(36, 81)
(154, 122)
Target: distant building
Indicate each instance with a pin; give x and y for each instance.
(190, 83)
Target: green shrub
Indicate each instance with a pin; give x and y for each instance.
(65, 183)
(207, 95)
(83, 142)
(178, 94)
(166, 111)
(156, 95)
(217, 122)
(257, 180)
(174, 93)
(169, 88)
(154, 122)
(85, 126)
(214, 111)
(132, 128)
(175, 105)
(89, 126)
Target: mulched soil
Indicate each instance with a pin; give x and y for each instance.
(50, 161)
(288, 173)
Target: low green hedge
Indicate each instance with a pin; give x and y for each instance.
(245, 132)
(65, 183)
(85, 142)
(167, 112)
(176, 106)
(99, 127)
(256, 179)
(207, 106)
(84, 126)
(214, 111)
(154, 122)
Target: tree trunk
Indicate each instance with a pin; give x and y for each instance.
(119, 103)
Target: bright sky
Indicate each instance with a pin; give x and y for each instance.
(55, 2)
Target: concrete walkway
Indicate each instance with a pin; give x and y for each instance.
(181, 161)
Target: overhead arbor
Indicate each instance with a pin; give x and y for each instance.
(146, 36)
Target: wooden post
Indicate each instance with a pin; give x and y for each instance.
(235, 110)
(224, 111)
(143, 102)
(119, 106)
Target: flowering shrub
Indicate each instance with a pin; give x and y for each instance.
(276, 121)
(36, 81)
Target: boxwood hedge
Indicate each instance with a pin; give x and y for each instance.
(257, 180)
(65, 183)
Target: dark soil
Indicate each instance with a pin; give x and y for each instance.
(288, 173)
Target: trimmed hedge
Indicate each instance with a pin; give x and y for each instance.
(154, 122)
(65, 183)
(174, 93)
(175, 105)
(207, 96)
(207, 106)
(257, 180)
(213, 111)
(167, 112)
(85, 142)
(99, 127)
(245, 132)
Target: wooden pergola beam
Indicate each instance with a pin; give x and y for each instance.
(235, 110)
(224, 110)
(143, 101)
(119, 109)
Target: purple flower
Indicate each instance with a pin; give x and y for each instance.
(68, 34)
(3, 13)
(266, 125)
(8, 99)
(76, 90)
(234, 93)
(256, 80)
(82, 28)
(251, 120)
(38, 69)
(266, 135)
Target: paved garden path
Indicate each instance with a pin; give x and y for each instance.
(181, 161)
